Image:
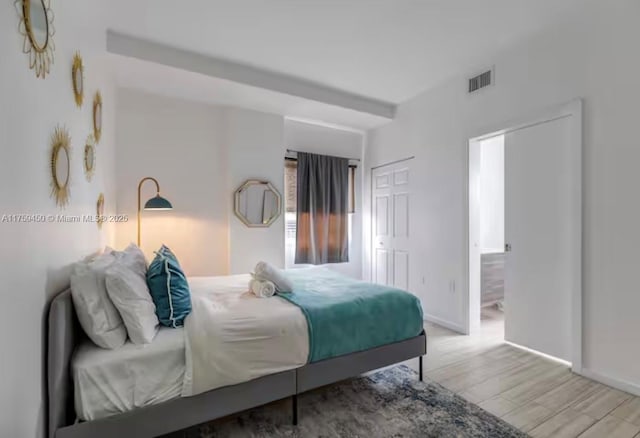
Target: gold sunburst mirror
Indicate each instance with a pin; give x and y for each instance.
(77, 77)
(89, 158)
(97, 116)
(36, 27)
(60, 166)
(100, 210)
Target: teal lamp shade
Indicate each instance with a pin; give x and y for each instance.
(158, 203)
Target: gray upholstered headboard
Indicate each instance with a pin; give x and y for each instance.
(64, 333)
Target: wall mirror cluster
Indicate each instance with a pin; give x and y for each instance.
(257, 203)
(37, 30)
(36, 27)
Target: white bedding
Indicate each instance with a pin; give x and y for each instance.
(231, 336)
(109, 382)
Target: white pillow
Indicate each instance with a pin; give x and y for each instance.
(97, 315)
(133, 258)
(129, 292)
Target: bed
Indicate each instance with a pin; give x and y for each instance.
(111, 382)
(118, 391)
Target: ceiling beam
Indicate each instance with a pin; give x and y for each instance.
(221, 68)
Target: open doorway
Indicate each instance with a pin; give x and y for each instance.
(487, 196)
(525, 228)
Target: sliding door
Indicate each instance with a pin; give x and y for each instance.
(538, 224)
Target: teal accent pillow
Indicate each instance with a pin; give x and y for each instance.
(169, 288)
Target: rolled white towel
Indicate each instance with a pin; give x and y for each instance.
(264, 271)
(262, 289)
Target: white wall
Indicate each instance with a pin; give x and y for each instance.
(255, 143)
(591, 55)
(181, 145)
(201, 154)
(307, 137)
(492, 195)
(36, 258)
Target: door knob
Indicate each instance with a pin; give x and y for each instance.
(507, 247)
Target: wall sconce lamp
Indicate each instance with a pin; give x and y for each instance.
(157, 203)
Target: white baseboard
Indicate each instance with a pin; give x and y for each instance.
(444, 323)
(622, 385)
(539, 353)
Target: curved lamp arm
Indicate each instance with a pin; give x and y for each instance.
(147, 178)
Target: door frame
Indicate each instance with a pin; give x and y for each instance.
(574, 111)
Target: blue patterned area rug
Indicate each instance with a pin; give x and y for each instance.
(389, 403)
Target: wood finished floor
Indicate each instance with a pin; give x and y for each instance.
(538, 396)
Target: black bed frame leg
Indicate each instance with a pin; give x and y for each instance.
(420, 366)
(294, 407)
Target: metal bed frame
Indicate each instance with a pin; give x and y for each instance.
(64, 334)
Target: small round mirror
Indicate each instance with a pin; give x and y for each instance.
(60, 166)
(89, 158)
(38, 23)
(97, 117)
(78, 79)
(100, 210)
(36, 27)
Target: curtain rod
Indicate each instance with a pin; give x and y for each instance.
(351, 166)
(350, 159)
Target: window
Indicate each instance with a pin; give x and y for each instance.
(290, 203)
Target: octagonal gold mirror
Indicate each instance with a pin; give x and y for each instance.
(257, 203)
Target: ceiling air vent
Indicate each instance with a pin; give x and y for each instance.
(482, 80)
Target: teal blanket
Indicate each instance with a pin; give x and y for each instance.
(346, 315)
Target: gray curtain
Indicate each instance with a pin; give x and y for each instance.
(322, 206)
